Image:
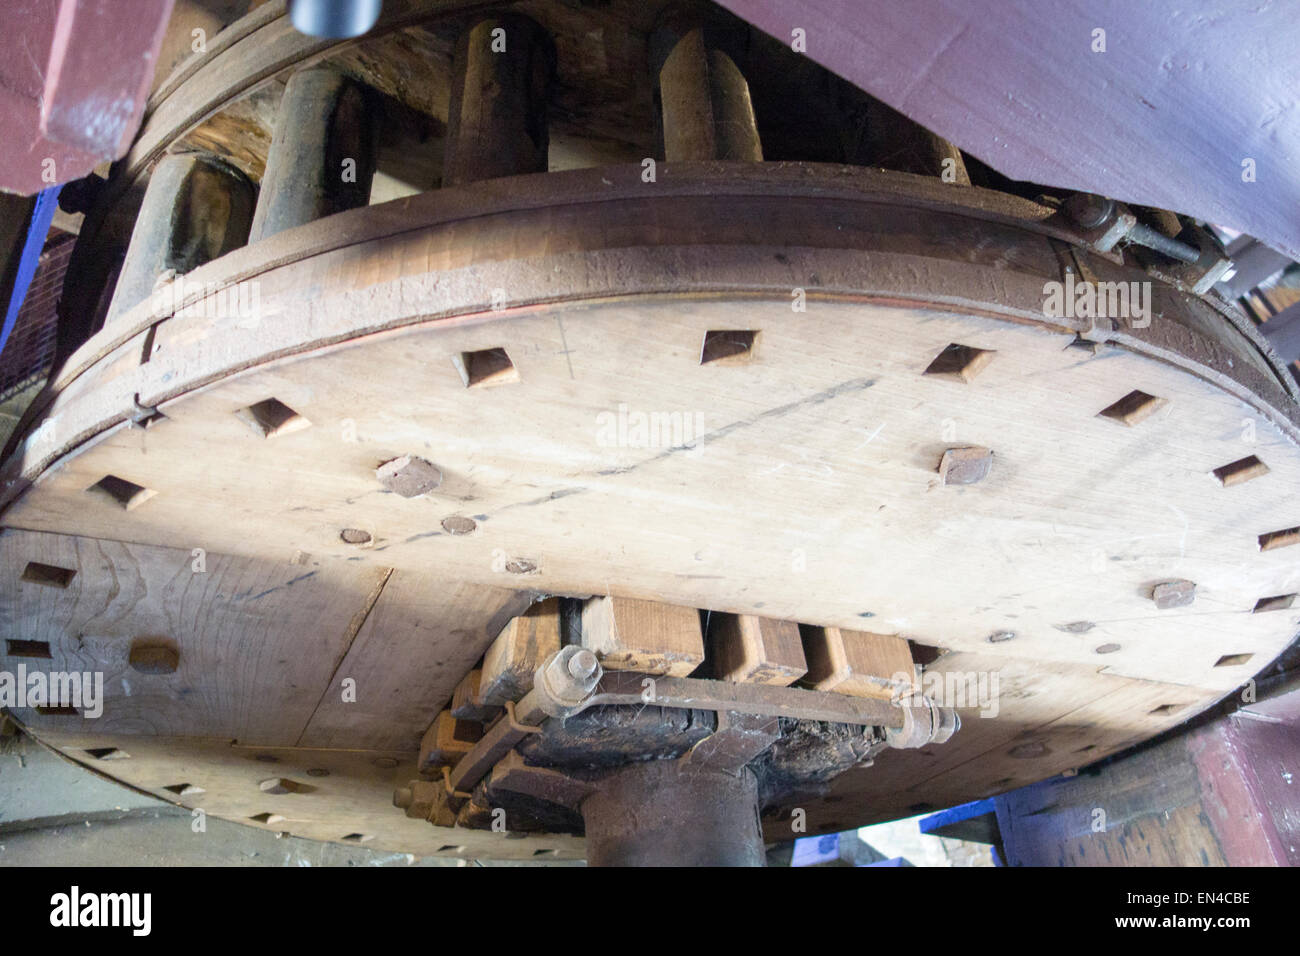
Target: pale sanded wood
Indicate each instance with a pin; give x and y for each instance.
(857, 663)
(512, 659)
(1034, 528)
(419, 640)
(822, 445)
(256, 640)
(643, 636)
(757, 650)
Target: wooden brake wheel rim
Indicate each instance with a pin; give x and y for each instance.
(809, 392)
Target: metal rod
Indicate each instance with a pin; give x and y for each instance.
(624, 687)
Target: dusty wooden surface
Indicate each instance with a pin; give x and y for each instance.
(796, 479)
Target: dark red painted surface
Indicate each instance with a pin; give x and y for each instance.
(1249, 769)
(1184, 93)
(74, 75)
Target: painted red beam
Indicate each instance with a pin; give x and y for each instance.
(1193, 106)
(74, 75)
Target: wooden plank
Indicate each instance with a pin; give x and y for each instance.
(643, 636)
(467, 702)
(421, 638)
(256, 641)
(1018, 513)
(446, 741)
(758, 650)
(351, 797)
(520, 648)
(857, 663)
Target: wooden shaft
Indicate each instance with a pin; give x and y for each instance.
(497, 123)
(662, 813)
(322, 157)
(707, 112)
(196, 208)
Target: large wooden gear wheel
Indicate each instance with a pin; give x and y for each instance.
(801, 391)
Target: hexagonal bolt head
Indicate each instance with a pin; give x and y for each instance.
(571, 673)
(965, 466)
(409, 476)
(583, 664)
(949, 724)
(1169, 594)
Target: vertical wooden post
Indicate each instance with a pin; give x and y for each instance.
(322, 157)
(707, 111)
(500, 83)
(196, 208)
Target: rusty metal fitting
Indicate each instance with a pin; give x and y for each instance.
(924, 722)
(417, 798)
(1089, 210)
(566, 679)
(948, 723)
(1096, 213)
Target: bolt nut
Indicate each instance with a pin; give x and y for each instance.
(1090, 211)
(948, 722)
(583, 664)
(565, 682)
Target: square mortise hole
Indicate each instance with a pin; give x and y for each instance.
(1278, 602)
(545, 852)
(184, 789)
(358, 837)
(1241, 470)
(485, 367)
(1132, 408)
(48, 575)
(267, 818)
(450, 848)
(960, 362)
(18, 648)
(1232, 660)
(728, 346)
(1279, 539)
(1164, 710)
(123, 493)
(107, 753)
(271, 418)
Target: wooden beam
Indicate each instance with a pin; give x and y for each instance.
(513, 658)
(467, 703)
(643, 636)
(755, 650)
(857, 663)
